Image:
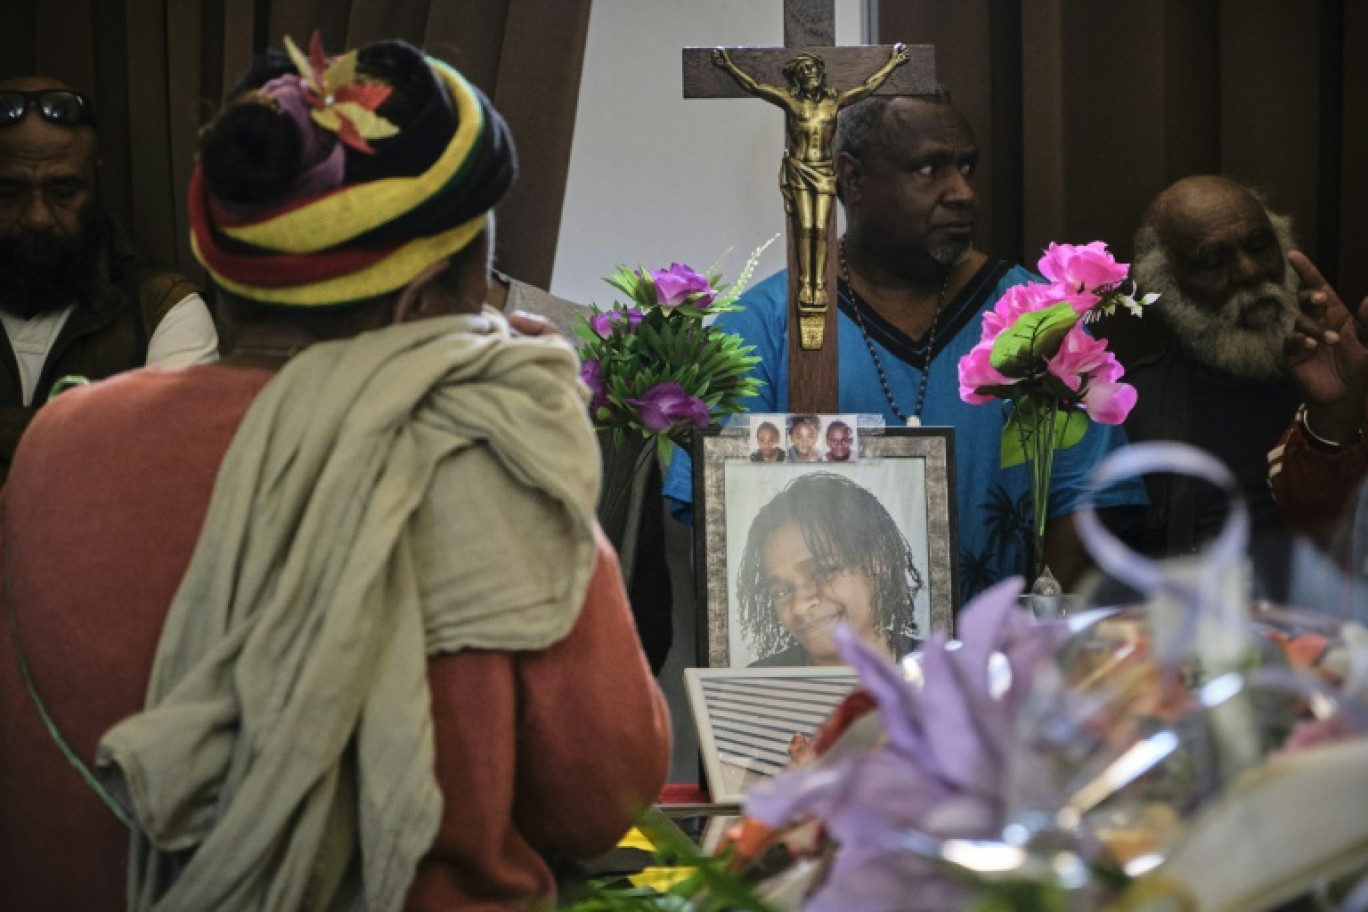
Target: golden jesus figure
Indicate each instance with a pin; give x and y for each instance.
(807, 177)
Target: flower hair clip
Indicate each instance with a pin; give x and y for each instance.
(340, 103)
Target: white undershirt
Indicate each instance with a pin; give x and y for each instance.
(186, 335)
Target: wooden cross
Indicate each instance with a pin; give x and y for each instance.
(809, 28)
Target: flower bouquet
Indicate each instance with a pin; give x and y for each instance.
(1188, 753)
(1111, 762)
(1030, 769)
(1036, 353)
(657, 368)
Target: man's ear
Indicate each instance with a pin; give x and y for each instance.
(420, 299)
(848, 177)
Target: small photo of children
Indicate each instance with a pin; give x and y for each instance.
(767, 439)
(803, 433)
(841, 438)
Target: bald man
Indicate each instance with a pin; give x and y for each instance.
(74, 300)
(1210, 367)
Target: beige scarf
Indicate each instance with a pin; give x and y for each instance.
(288, 716)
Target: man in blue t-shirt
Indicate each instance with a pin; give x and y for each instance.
(912, 289)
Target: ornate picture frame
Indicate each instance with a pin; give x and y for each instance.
(903, 478)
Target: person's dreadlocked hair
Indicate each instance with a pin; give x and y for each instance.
(845, 524)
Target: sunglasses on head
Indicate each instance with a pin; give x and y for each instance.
(58, 106)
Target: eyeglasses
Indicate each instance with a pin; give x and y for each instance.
(58, 106)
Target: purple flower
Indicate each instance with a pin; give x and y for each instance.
(666, 404)
(591, 372)
(681, 285)
(602, 324)
(942, 767)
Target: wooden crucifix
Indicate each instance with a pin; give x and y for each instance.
(802, 78)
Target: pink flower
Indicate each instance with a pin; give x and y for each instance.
(1082, 300)
(976, 372)
(1109, 403)
(681, 285)
(1080, 270)
(1083, 362)
(603, 323)
(1316, 732)
(664, 405)
(1017, 300)
(1078, 358)
(1077, 370)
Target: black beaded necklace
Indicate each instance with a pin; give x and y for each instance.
(914, 419)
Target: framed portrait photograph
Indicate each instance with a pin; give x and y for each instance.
(750, 720)
(785, 552)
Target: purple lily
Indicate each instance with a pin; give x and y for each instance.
(681, 285)
(603, 323)
(666, 404)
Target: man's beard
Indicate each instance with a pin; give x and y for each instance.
(950, 254)
(42, 273)
(1245, 337)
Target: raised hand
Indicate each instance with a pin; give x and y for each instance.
(1326, 355)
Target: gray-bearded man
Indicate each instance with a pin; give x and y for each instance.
(1210, 368)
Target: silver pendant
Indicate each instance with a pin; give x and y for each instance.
(914, 421)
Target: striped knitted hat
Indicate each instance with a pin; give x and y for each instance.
(366, 204)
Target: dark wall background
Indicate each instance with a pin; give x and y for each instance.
(158, 69)
(1086, 109)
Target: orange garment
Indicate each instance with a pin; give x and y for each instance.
(551, 751)
(1313, 485)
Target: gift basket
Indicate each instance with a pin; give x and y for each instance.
(1190, 751)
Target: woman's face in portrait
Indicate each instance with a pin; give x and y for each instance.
(804, 437)
(812, 594)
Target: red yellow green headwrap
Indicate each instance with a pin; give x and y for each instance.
(409, 196)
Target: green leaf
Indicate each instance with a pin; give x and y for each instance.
(1018, 434)
(1070, 428)
(1020, 896)
(648, 336)
(1020, 350)
(636, 284)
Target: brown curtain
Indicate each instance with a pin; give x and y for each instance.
(1085, 110)
(157, 69)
